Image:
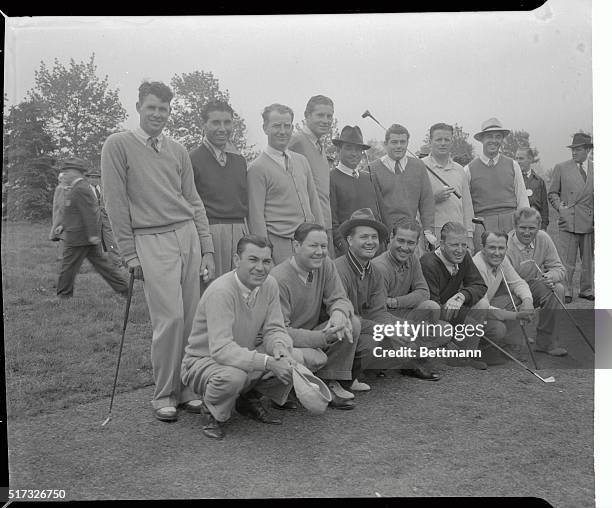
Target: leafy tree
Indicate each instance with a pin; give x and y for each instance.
(82, 110)
(28, 176)
(515, 140)
(191, 92)
(461, 149)
(376, 151)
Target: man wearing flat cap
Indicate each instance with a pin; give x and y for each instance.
(82, 227)
(351, 189)
(571, 194)
(496, 183)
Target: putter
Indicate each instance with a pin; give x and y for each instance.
(125, 321)
(549, 379)
(563, 306)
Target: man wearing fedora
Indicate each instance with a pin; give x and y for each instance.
(239, 349)
(82, 228)
(308, 282)
(364, 285)
(404, 184)
(571, 194)
(349, 188)
(318, 119)
(281, 189)
(108, 240)
(496, 182)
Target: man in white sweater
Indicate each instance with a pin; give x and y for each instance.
(162, 233)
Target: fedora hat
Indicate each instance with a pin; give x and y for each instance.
(75, 163)
(490, 125)
(364, 217)
(350, 135)
(581, 139)
(310, 390)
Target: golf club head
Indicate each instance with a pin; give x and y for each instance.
(106, 421)
(549, 379)
(478, 220)
(527, 261)
(365, 114)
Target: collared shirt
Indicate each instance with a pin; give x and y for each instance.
(219, 154)
(493, 278)
(451, 267)
(302, 274)
(277, 156)
(249, 295)
(348, 171)
(143, 137)
(397, 265)
(390, 163)
(356, 266)
(485, 160)
(528, 174)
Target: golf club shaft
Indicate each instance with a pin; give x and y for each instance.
(533, 360)
(547, 380)
(125, 321)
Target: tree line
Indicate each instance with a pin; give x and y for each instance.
(71, 110)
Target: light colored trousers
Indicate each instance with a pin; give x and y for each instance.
(225, 237)
(569, 245)
(170, 265)
(503, 222)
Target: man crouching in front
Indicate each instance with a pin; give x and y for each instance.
(238, 324)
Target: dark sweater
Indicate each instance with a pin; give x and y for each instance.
(443, 286)
(223, 190)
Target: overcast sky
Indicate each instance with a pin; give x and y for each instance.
(531, 70)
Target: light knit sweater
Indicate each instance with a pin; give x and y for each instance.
(301, 302)
(226, 329)
(544, 253)
(147, 192)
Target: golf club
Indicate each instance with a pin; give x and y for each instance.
(562, 305)
(125, 321)
(549, 379)
(367, 114)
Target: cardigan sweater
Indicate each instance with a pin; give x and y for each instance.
(301, 303)
(405, 283)
(407, 193)
(320, 172)
(223, 189)
(226, 329)
(443, 286)
(280, 200)
(542, 251)
(148, 192)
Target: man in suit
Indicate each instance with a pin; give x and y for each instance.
(318, 117)
(57, 218)
(536, 188)
(82, 228)
(496, 182)
(108, 240)
(571, 194)
(281, 189)
(220, 177)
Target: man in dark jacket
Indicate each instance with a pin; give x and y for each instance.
(83, 230)
(536, 188)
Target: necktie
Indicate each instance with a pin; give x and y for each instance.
(455, 270)
(97, 192)
(491, 163)
(355, 173)
(310, 277)
(154, 142)
(222, 158)
(582, 171)
(320, 145)
(286, 157)
(398, 168)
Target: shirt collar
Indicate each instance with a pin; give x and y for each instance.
(529, 173)
(143, 137)
(390, 163)
(520, 245)
(302, 274)
(357, 267)
(216, 151)
(433, 163)
(485, 159)
(245, 292)
(449, 266)
(310, 135)
(399, 267)
(347, 171)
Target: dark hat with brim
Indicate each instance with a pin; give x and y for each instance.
(581, 139)
(351, 135)
(364, 217)
(75, 163)
(490, 125)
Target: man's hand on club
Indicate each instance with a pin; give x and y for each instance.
(443, 194)
(526, 312)
(135, 268)
(207, 267)
(547, 278)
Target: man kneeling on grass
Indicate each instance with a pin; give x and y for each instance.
(306, 282)
(238, 324)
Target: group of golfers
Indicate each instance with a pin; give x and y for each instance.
(302, 263)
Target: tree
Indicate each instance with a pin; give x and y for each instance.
(514, 141)
(28, 176)
(191, 92)
(82, 110)
(461, 149)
